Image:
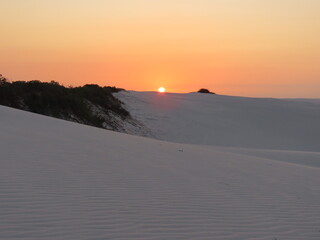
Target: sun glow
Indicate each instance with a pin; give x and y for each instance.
(161, 89)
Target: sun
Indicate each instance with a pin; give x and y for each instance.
(161, 89)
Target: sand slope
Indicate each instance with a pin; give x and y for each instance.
(61, 180)
(286, 124)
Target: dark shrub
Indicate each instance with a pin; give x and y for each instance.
(204, 90)
(53, 99)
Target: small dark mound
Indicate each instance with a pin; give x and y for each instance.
(204, 90)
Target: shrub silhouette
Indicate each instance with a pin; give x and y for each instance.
(53, 99)
(204, 90)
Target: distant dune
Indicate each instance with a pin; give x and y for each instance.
(266, 123)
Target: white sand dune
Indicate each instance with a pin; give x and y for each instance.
(61, 180)
(265, 123)
(311, 159)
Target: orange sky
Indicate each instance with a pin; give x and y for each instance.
(267, 48)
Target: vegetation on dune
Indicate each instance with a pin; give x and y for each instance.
(53, 99)
(204, 90)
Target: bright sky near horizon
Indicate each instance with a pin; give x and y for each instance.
(268, 48)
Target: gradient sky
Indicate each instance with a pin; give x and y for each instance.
(268, 48)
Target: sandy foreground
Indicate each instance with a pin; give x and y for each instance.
(61, 180)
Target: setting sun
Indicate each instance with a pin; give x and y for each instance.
(161, 89)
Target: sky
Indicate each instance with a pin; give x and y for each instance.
(265, 48)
